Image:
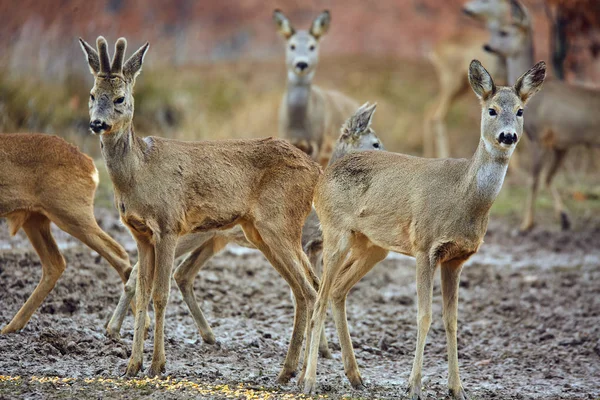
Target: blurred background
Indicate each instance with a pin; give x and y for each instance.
(215, 69)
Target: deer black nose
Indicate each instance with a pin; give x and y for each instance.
(98, 126)
(507, 138)
(488, 48)
(301, 65)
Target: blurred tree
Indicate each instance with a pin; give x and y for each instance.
(570, 19)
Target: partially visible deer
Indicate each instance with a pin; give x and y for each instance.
(309, 117)
(165, 189)
(450, 58)
(44, 179)
(563, 116)
(435, 210)
(200, 247)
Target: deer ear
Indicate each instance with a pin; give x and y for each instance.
(519, 13)
(91, 55)
(360, 121)
(320, 25)
(284, 26)
(531, 82)
(481, 81)
(133, 66)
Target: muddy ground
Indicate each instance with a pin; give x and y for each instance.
(529, 323)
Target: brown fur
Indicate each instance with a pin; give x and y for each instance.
(166, 189)
(44, 179)
(435, 210)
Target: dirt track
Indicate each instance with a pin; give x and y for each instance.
(529, 323)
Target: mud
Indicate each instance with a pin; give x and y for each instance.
(529, 322)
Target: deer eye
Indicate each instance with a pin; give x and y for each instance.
(503, 33)
(312, 47)
(492, 112)
(376, 145)
(92, 98)
(293, 47)
(120, 100)
(520, 112)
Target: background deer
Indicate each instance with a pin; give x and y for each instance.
(165, 189)
(356, 135)
(309, 116)
(562, 116)
(44, 179)
(449, 59)
(437, 211)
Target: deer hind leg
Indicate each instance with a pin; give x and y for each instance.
(425, 271)
(362, 259)
(81, 224)
(450, 90)
(450, 280)
(185, 274)
(559, 207)
(37, 228)
(290, 262)
(538, 156)
(143, 290)
(336, 246)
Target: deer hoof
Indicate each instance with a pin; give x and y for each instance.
(310, 385)
(356, 380)
(133, 368)
(209, 338)
(414, 392)
(565, 222)
(458, 394)
(325, 353)
(285, 375)
(156, 369)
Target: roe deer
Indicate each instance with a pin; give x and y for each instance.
(309, 116)
(435, 210)
(356, 135)
(450, 58)
(166, 188)
(562, 116)
(44, 179)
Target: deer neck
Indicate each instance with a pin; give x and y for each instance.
(519, 63)
(123, 153)
(485, 176)
(297, 100)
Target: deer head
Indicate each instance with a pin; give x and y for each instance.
(509, 39)
(111, 98)
(302, 51)
(489, 11)
(502, 108)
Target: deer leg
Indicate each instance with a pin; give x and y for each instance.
(450, 280)
(354, 269)
(37, 228)
(145, 277)
(184, 276)
(165, 249)
(287, 261)
(336, 246)
(425, 271)
(127, 297)
(559, 207)
(538, 156)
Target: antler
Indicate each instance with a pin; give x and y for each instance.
(117, 64)
(103, 54)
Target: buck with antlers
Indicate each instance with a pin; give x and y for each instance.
(436, 210)
(450, 58)
(165, 189)
(561, 117)
(44, 179)
(309, 116)
(198, 248)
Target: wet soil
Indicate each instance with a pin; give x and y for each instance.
(529, 322)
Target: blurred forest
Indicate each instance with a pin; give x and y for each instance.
(215, 68)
